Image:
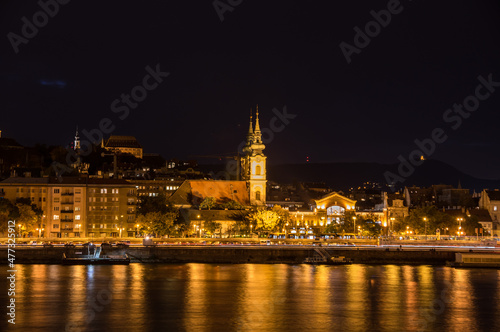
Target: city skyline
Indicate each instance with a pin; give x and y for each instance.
(369, 105)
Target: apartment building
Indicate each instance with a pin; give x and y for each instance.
(78, 206)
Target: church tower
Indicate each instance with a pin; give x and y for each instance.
(76, 145)
(253, 163)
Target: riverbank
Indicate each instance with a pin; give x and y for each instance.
(238, 254)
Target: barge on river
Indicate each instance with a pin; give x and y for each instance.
(471, 259)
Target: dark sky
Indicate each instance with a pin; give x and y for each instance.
(274, 53)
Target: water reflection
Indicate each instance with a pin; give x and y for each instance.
(204, 297)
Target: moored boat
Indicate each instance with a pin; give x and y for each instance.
(93, 260)
(481, 260)
(334, 260)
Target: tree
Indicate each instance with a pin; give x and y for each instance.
(370, 228)
(346, 225)
(283, 216)
(27, 218)
(156, 216)
(8, 211)
(208, 203)
(157, 223)
(470, 225)
(211, 226)
(242, 223)
(434, 219)
(233, 205)
(154, 204)
(264, 220)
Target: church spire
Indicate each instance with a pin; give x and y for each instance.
(257, 124)
(250, 129)
(257, 132)
(76, 145)
(250, 136)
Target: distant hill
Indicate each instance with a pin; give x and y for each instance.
(342, 176)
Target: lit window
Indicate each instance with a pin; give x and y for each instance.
(56, 217)
(495, 208)
(104, 191)
(77, 217)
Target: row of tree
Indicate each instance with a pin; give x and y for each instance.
(436, 219)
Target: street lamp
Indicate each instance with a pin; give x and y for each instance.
(354, 219)
(425, 222)
(460, 226)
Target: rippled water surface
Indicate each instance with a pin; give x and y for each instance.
(252, 297)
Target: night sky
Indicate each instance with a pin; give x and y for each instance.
(271, 53)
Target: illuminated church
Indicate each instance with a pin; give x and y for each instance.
(253, 163)
(249, 189)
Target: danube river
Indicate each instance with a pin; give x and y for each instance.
(253, 297)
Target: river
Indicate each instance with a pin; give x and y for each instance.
(253, 297)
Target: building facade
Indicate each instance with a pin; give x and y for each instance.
(253, 164)
(78, 206)
(124, 144)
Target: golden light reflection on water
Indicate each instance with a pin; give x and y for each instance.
(196, 297)
(392, 305)
(461, 300)
(78, 286)
(262, 296)
(357, 288)
(209, 297)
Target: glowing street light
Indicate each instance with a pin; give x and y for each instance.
(425, 222)
(460, 226)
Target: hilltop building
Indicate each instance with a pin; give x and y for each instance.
(123, 144)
